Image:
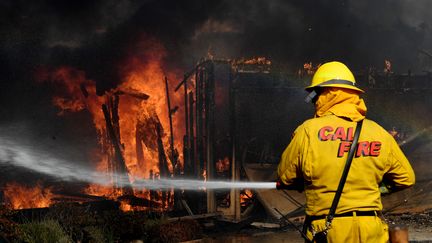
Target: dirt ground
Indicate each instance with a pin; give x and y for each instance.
(415, 235)
(419, 230)
(419, 225)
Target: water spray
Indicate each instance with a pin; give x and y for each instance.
(28, 157)
(415, 136)
(199, 184)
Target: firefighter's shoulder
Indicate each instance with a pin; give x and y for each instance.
(302, 128)
(375, 128)
(316, 122)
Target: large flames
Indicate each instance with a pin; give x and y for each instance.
(142, 123)
(132, 123)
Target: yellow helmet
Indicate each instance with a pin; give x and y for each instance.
(333, 74)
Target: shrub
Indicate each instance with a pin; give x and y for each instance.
(46, 231)
(177, 231)
(8, 228)
(98, 235)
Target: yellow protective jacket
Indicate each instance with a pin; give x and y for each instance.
(319, 149)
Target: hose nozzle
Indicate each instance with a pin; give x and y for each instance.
(281, 186)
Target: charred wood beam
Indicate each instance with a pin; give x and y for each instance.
(114, 103)
(185, 78)
(199, 65)
(173, 154)
(177, 193)
(232, 121)
(137, 201)
(186, 206)
(127, 189)
(235, 163)
(187, 75)
(191, 135)
(199, 114)
(206, 62)
(152, 192)
(133, 93)
(187, 147)
(210, 119)
(210, 133)
(163, 163)
(185, 154)
(197, 216)
(138, 146)
(113, 112)
(68, 196)
(196, 145)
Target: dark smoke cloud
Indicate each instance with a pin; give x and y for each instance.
(361, 33)
(95, 35)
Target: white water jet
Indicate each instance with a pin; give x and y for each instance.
(27, 156)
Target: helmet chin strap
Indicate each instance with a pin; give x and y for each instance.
(309, 98)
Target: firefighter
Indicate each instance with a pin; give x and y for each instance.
(316, 156)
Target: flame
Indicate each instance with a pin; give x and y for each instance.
(75, 93)
(204, 174)
(222, 165)
(253, 65)
(308, 69)
(146, 77)
(387, 66)
(258, 60)
(124, 206)
(20, 197)
(245, 196)
(142, 105)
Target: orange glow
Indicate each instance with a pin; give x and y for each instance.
(258, 60)
(223, 165)
(308, 69)
(72, 86)
(387, 66)
(204, 174)
(124, 206)
(142, 105)
(18, 196)
(253, 65)
(245, 196)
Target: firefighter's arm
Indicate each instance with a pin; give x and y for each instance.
(290, 166)
(400, 174)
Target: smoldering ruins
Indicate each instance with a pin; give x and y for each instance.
(203, 90)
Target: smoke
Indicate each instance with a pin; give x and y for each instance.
(413, 13)
(96, 34)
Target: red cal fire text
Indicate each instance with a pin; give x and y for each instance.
(345, 136)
